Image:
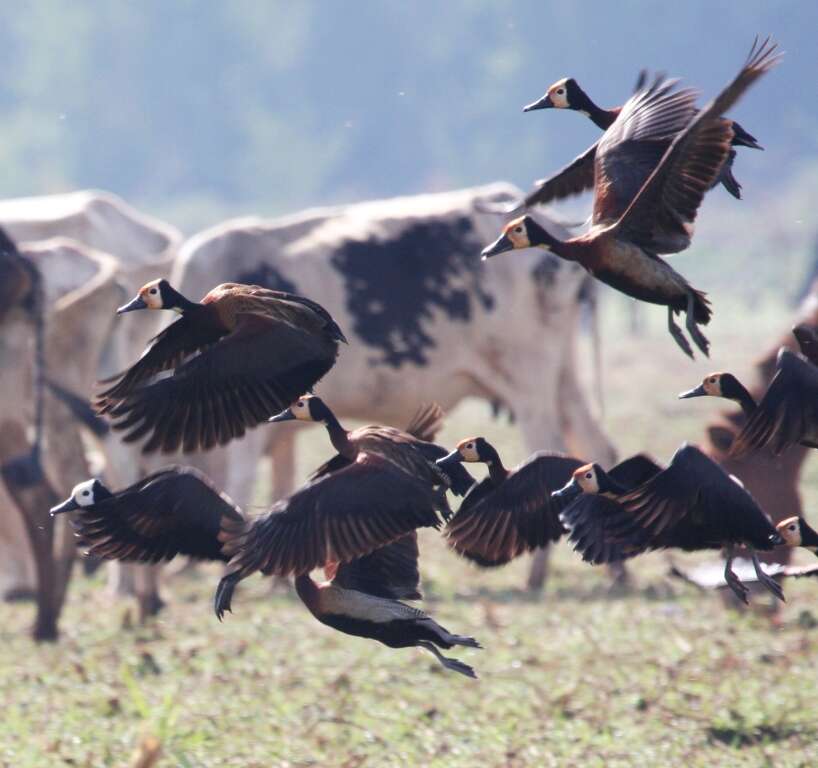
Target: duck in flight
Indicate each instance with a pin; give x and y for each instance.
(634, 220)
(235, 358)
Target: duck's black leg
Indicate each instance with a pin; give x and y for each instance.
(739, 590)
(224, 593)
(449, 663)
(768, 581)
(690, 323)
(677, 334)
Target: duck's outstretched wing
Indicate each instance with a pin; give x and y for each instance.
(254, 372)
(176, 511)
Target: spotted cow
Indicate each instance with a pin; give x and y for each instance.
(425, 318)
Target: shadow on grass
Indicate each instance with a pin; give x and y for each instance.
(597, 592)
(739, 732)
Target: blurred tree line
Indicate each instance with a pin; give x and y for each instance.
(197, 108)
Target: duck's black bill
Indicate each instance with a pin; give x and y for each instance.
(543, 103)
(450, 460)
(569, 491)
(500, 245)
(69, 505)
(286, 415)
(776, 539)
(137, 303)
(695, 392)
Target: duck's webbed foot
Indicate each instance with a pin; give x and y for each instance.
(739, 590)
(677, 334)
(698, 337)
(224, 594)
(768, 581)
(449, 663)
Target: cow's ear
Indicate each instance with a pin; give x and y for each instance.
(721, 436)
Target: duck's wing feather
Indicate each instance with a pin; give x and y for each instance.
(669, 199)
(498, 525)
(635, 470)
(573, 179)
(390, 572)
(633, 145)
(694, 504)
(176, 511)
(339, 517)
(601, 530)
(257, 370)
(165, 351)
(788, 412)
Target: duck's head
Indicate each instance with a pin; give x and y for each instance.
(84, 494)
(522, 232)
(157, 294)
(590, 478)
(807, 338)
(306, 408)
(472, 449)
(564, 94)
(716, 385)
(795, 532)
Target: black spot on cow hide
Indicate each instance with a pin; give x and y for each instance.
(394, 285)
(267, 277)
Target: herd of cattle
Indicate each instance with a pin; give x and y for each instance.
(400, 276)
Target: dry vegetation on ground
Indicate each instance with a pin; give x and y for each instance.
(658, 677)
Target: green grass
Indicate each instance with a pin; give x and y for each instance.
(662, 676)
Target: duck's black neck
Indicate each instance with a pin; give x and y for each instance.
(541, 237)
(497, 472)
(339, 437)
(609, 485)
(601, 118)
(739, 393)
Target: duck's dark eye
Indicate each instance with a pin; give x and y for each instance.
(792, 528)
(560, 91)
(588, 476)
(518, 230)
(299, 405)
(713, 380)
(470, 446)
(153, 291)
(86, 493)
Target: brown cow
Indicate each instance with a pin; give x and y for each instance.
(772, 480)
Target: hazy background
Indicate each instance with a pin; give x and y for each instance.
(201, 110)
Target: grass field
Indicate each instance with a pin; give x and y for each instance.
(661, 676)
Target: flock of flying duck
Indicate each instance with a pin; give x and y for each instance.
(245, 355)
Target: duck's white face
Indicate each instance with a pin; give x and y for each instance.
(558, 94)
(517, 232)
(83, 493)
(301, 409)
(468, 449)
(151, 294)
(712, 384)
(790, 531)
(586, 479)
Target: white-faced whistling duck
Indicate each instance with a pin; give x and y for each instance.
(258, 350)
(633, 222)
(797, 533)
(178, 511)
(690, 505)
(510, 512)
(382, 484)
(410, 449)
(787, 413)
(577, 177)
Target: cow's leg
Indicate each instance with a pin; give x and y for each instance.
(584, 437)
(282, 454)
(540, 430)
(33, 502)
(18, 580)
